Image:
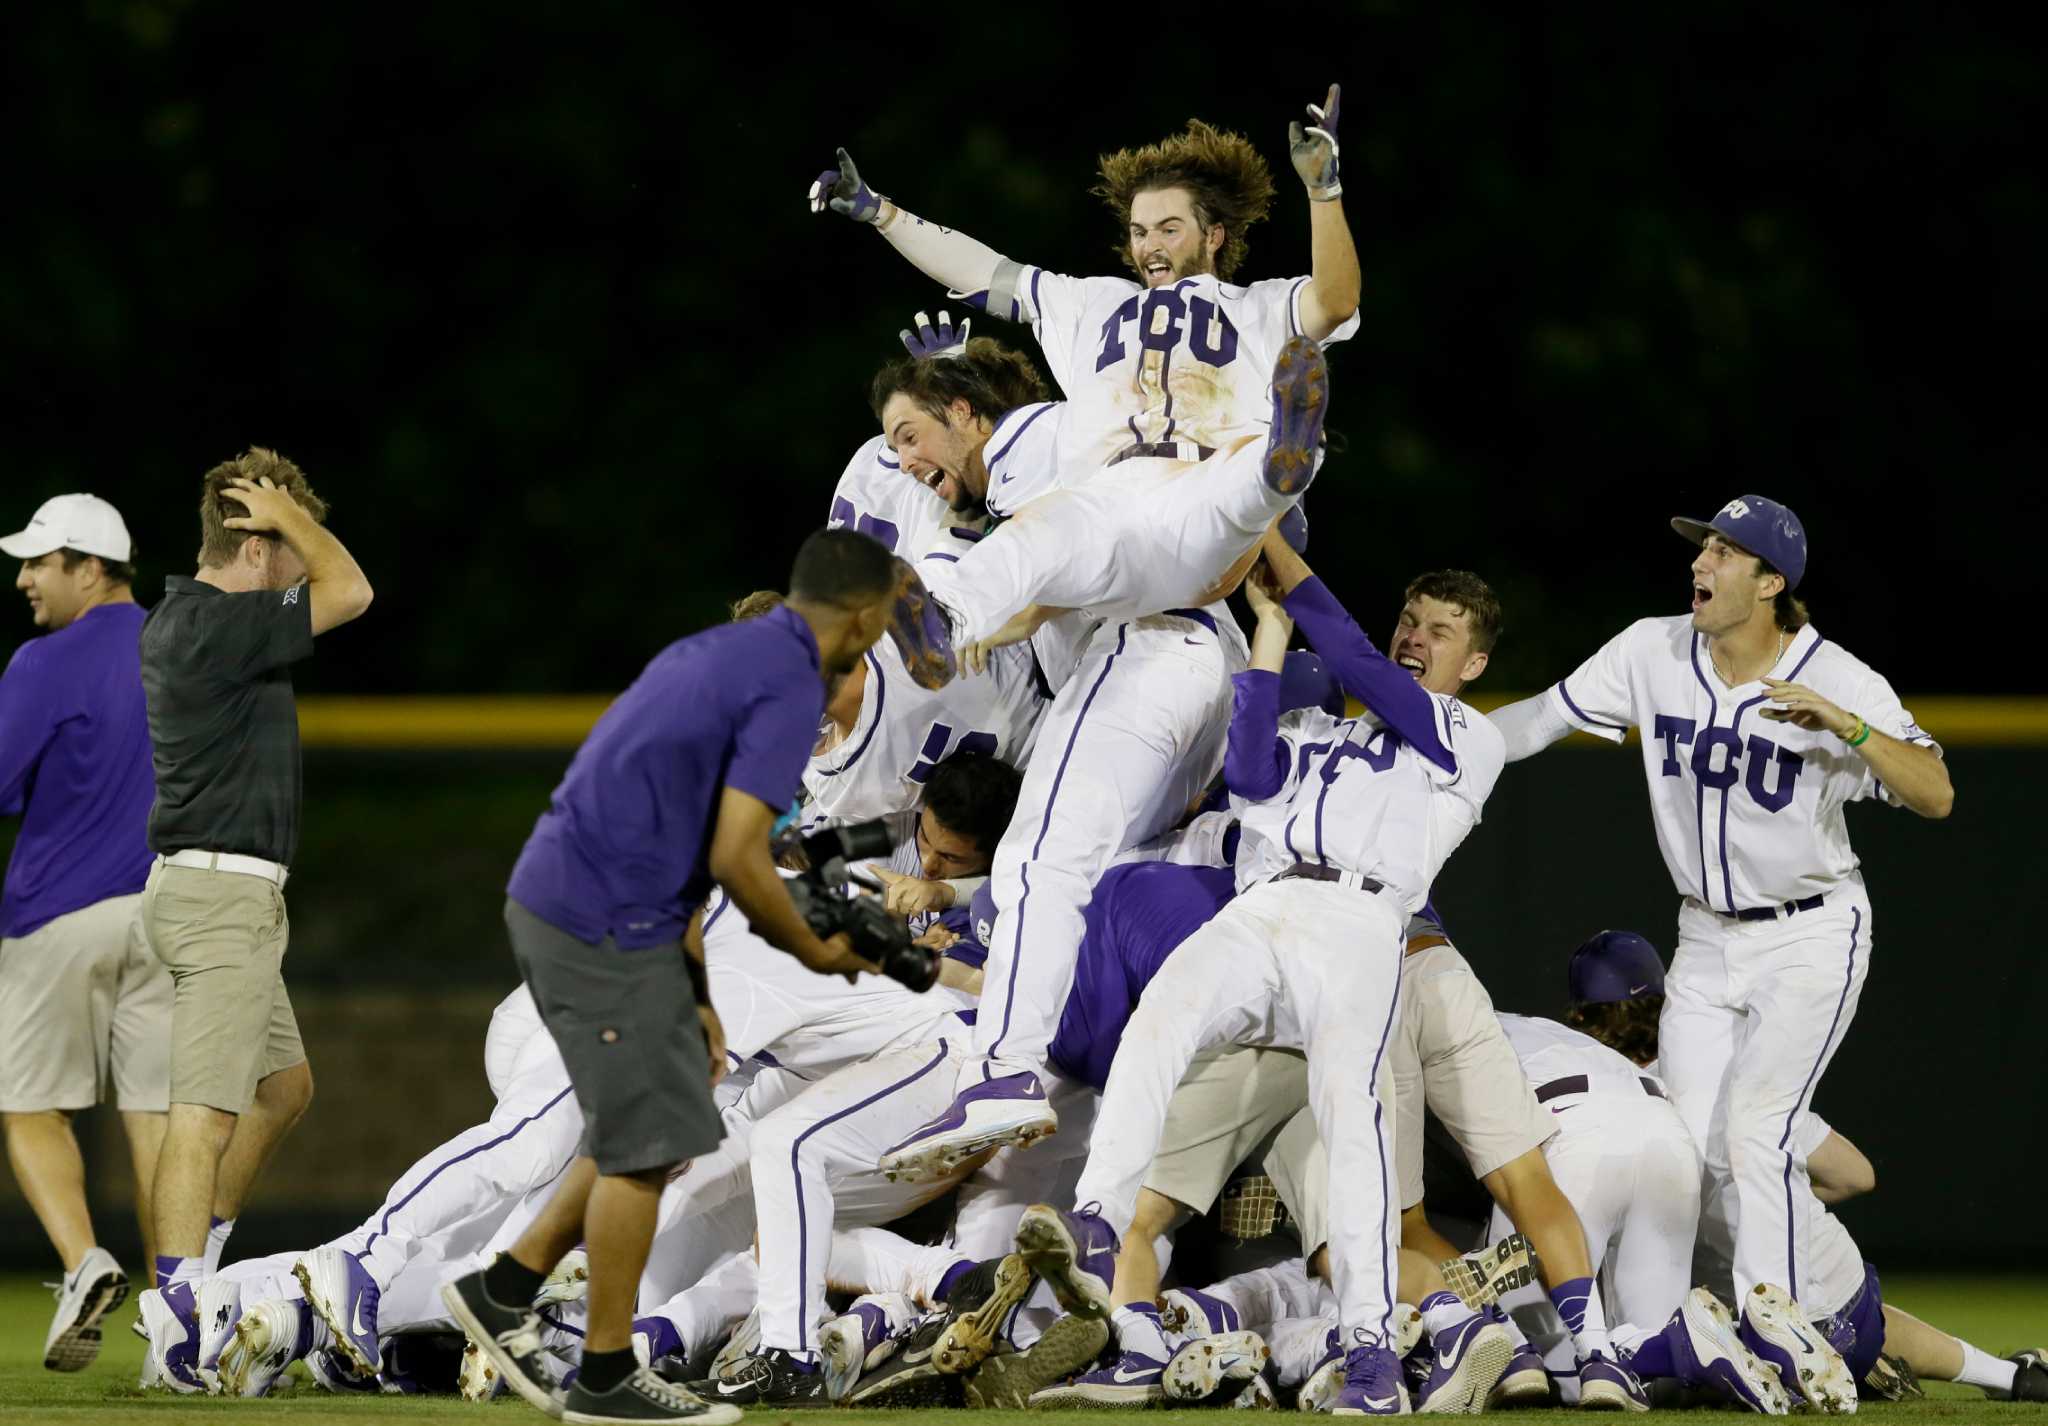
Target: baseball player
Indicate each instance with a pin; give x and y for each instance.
(1346, 824)
(83, 1000)
(874, 497)
(1756, 733)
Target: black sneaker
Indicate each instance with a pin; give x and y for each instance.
(509, 1336)
(911, 1377)
(770, 1378)
(2030, 1383)
(1008, 1379)
(644, 1397)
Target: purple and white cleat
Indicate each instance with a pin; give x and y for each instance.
(343, 1295)
(1206, 1365)
(1072, 1253)
(1186, 1313)
(1009, 1110)
(1811, 1369)
(170, 1316)
(1372, 1384)
(218, 1307)
(1524, 1383)
(1132, 1380)
(1471, 1358)
(1606, 1385)
(1709, 1353)
(1301, 398)
(862, 1338)
(268, 1338)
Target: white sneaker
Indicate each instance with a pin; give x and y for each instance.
(265, 1341)
(88, 1293)
(220, 1307)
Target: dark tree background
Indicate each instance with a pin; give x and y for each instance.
(533, 294)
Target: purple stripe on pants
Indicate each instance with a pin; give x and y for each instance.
(803, 1232)
(1792, 1116)
(385, 1222)
(1388, 1277)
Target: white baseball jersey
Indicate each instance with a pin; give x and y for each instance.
(1359, 798)
(875, 497)
(1191, 362)
(1748, 812)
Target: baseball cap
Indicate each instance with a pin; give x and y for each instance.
(1615, 965)
(1305, 683)
(84, 523)
(1765, 528)
(1294, 528)
(981, 914)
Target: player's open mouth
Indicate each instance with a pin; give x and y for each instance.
(1157, 268)
(1414, 666)
(1700, 595)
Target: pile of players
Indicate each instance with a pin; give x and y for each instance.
(1183, 900)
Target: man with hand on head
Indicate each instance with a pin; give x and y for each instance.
(676, 788)
(80, 992)
(216, 658)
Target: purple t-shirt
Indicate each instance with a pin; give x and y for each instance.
(1140, 912)
(623, 849)
(74, 763)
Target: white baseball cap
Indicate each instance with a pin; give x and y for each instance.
(84, 523)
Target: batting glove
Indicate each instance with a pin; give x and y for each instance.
(841, 190)
(1314, 149)
(940, 339)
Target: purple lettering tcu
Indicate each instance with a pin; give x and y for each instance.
(1755, 777)
(1212, 340)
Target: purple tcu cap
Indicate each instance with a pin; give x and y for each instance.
(1305, 683)
(1294, 529)
(1615, 965)
(981, 914)
(1765, 528)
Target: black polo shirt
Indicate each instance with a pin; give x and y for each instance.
(223, 726)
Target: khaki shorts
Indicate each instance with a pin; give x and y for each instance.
(83, 1001)
(1300, 1170)
(1450, 1052)
(223, 935)
(1227, 1105)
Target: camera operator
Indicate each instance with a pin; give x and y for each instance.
(677, 787)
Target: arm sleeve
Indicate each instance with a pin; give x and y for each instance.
(1367, 674)
(948, 257)
(1530, 725)
(1255, 764)
(27, 723)
(1596, 697)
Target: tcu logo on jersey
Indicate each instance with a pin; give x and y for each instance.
(1163, 317)
(1722, 771)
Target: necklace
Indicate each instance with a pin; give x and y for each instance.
(1727, 678)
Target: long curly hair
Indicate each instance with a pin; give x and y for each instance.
(1228, 178)
(1626, 1026)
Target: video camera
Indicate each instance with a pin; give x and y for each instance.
(828, 910)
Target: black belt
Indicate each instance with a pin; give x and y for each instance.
(1164, 450)
(1310, 871)
(1790, 908)
(1200, 616)
(1579, 1084)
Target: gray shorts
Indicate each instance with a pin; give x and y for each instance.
(626, 1024)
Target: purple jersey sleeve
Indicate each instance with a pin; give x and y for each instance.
(1367, 674)
(1255, 765)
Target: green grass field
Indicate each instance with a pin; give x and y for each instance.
(1999, 1314)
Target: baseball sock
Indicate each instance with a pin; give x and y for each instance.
(217, 1243)
(1986, 1371)
(1137, 1330)
(1578, 1303)
(511, 1283)
(604, 1370)
(1442, 1311)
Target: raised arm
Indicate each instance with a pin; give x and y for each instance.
(1255, 759)
(336, 587)
(1364, 672)
(942, 254)
(1335, 282)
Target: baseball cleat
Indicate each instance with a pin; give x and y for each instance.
(1471, 1358)
(1301, 398)
(1325, 1380)
(1890, 1378)
(770, 1378)
(1073, 1253)
(1606, 1385)
(1132, 1382)
(971, 1336)
(1010, 1379)
(569, 1282)
(1206, 1365)
(744, 1342)
(1524, 1383)
(343, 1295)
(509, 1336)
(1294, 528)
(170, 1315)
(1811, 1370)
(1008, 1110)
(219, 1307)
(860, 1339)
(331, 1371)
(1480, 1278)
(911, 1377)
(919, 629)
(1709, 1352)
(1372, 1385)
(478, 1378)
(1186, 1313)
(268, 1338)
(88, 1293)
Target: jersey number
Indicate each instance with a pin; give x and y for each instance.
(1675, 732)
(843, 515)
(934, 750)
(1162, 316)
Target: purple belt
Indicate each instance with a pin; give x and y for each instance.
(1579, 1084)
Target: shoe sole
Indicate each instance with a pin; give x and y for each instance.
(343, 1342)
(76, 1347)
(1048, 1249)
(1098, 1397)
(1479, 1370)
(241, 1356)
(921, 1385)
(930, 1164)
(1523, 1388)
(843, 1353)
(1706, 1320)
(1824, 1381)
(1192, 1373)
(1009, 1382)
(1606, 1396)
(970, 1339)
(715, 1413)
(928, 654)
(1301, 396)
(1479, 1280)
(539, 1398)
